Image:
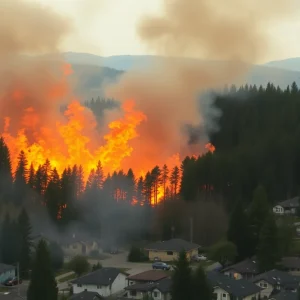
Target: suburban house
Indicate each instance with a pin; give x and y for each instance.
(275, 281)
(245, 269)
(284, 295)
(291, 265)
(169, 250)
(160, 290)
(6, 271)
(151, 276)
(287, 207)
(227, 288)
(105, 282)
(86, 296)
(73, 246)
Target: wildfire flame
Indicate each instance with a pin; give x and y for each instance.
(74, 139)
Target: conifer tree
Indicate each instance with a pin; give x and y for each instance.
(5, 171)
(25, 243)
(201, 288)
(238, 231)
(181, 279)
(20, 183)
(268, 250)
(174, 180)
(130, 186)
(165, 177)
(42, 284)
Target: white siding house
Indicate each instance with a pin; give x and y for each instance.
(223, 295)
(105, 282)
(6, 272)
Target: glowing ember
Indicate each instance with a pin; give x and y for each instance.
(210, 147)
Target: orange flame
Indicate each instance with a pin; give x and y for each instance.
(210, 147)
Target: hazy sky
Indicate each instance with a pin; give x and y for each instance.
(107, 27)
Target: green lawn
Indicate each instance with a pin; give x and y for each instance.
(3, 289)
(67, 278)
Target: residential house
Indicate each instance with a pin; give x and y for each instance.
(227, 288)
(285, 295)
(160, 290)
(86, 296)
(169, 250)
(6, 271)
(105, 282)
(151, 276)
(274, 281)
(291, 265)
(245, 269)
(287, 207)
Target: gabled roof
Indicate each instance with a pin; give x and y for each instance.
(164, 286)
(276, 277)
(173, 245)
(85, 295)
(290, 203)
(104, 276)
(237, 288)
(284, 295)
(245, 266)
(152, 275)
(291, 262)
(4, 268)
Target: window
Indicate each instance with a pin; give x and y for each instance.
(98, 287)
(79, 285)
(169, 252)
(155, 294)
(263, 285)
(133, 293)
(224, 295)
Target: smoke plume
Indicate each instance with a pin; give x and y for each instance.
(229, 31)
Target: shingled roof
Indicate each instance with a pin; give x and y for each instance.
(284, 295)
(85, 295)
(237, 288)
(147, 276)
(104, 276)
(173, 245)
(276, 277)
(245, 266)
(164, 286)
(291, 262)
(290, 203)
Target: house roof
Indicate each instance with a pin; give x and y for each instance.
(164, 286)
(276, 277)
(237, 288)
(152, 275)
(4, 268)
(290, 203)
(173, 245)
(291, 262)
(85, 295)
(104, 276)
(284, 295)
(245, 266)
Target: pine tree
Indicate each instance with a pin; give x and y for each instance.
(5, 171)
(258, 212)
(42, 284)
(20, 183)
(201, 287)
(156, 181)
(165, 177)
(99, 176)
(25, 243)
(139, 191)
(53, 195)
(238, 231)
(31, 177)
(130, 186)
(181, 279)
(174, 180)
(268, 248)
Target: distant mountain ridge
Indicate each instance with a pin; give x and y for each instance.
(93, 72)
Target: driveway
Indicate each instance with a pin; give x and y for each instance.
(120, 261)
(12, 292)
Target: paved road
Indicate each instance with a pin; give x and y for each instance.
(12, 293)
(120, 261)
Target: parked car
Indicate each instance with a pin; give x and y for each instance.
(12, 281)
(199, 258)
(160, 265)
(157, 259)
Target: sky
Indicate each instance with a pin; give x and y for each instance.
(107, 27)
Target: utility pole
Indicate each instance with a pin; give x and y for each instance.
(191, 229)
(18, 272)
